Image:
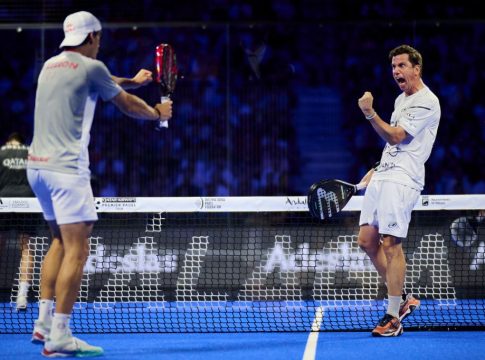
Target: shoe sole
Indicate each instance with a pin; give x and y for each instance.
(398, 332)
(408, 312)
(36, 339)
(55, 354)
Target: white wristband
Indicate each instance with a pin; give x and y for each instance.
(370, 117)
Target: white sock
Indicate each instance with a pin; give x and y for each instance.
(393, 305)
(60, 325)
(24, 288)
(45, 311)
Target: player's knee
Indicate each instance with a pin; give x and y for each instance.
(367, 244)
(391, 246)
(78, 255)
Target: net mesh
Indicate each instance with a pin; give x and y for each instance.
(204, 265)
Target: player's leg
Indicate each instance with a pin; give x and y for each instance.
(369, 238)
(25, 271)
(50, 270)
(75, 213)
(52, 260)
(395, 204)
(369, 241)
(76, 251)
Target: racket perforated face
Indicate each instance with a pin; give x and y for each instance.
(166, 66)
(328, 197)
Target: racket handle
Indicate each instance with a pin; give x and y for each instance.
(163, 123)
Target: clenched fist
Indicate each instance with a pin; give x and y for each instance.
(365, 103)
(143, 77)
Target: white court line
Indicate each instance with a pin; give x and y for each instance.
(311, 344)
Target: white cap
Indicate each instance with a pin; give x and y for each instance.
(77, 26)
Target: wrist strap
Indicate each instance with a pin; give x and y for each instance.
(370, 117)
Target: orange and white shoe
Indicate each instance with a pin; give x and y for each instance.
(409, 304)
(388, 326)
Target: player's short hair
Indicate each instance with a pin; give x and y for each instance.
(15, 136)
(414, 56)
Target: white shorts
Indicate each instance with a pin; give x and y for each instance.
(388, 206)
(65, 198)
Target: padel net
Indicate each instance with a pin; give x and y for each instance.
(250, 264)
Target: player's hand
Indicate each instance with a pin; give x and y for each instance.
(165, 110)
(143, 78)
(366, 102)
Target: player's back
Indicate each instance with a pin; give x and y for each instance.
(64, 109)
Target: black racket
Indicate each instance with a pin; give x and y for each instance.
(167, 73)
(329, 197)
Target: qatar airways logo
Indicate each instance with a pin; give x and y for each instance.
(15, 163)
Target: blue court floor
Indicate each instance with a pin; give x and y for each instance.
(252, 346)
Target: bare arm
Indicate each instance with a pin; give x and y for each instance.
(142, 78)
(392, 134)
(135, 107)
(366, 179)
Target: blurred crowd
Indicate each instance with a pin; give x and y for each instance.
(234, 126)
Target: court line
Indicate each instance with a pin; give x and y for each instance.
(311, 344)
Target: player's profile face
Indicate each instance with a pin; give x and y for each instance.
(96, 44)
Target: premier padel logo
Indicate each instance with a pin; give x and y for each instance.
(118, 203)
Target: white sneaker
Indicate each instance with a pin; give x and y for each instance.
(41, 330)
(21, 303)
(70, 346)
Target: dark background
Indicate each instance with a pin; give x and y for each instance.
(234, 133)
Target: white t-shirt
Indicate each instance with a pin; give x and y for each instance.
(419, 115)
(69, 85)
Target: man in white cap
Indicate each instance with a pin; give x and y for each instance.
(58, 169)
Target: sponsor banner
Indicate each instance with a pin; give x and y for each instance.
(238, 204)
(25, 205)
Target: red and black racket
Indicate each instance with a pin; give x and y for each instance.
(328, 197)
(167, 73)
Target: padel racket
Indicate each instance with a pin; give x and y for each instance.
(329, 197)
(167, 72)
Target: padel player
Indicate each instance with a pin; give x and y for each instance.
(398, 180)
(58, 169)
(14, 183)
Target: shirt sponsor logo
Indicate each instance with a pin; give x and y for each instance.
(63, 64)
(38, 158)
